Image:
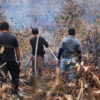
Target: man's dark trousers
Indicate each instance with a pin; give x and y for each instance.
(13, 67)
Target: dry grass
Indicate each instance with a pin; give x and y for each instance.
(53, 87)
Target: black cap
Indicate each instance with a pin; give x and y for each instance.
(4, 26)
(35, 31)
(71, 31)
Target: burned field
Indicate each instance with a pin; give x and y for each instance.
(51, 86)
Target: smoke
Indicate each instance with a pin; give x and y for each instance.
(39, 13)
(30, 12)
(89, 7)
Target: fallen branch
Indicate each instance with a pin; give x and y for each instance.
(95, 77)
(55, 85)
(81, 91)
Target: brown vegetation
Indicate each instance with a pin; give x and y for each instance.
(51, 86)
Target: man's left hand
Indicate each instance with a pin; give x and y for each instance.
(19, 63)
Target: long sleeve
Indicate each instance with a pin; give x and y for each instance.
(60, 53)
(79, 52)
(45, 43)
(60, 50)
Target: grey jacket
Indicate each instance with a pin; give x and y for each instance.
(71, 46)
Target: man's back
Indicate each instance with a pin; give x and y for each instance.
(10, 42)
(41, 43)
(70, 46)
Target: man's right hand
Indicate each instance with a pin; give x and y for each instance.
(58, 62)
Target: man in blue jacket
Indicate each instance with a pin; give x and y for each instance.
(70, 49)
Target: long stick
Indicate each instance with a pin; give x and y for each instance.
(27, 64)
(53, 53)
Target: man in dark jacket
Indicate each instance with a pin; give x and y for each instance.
(40, 50)
(10, 43)
(70, 49)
